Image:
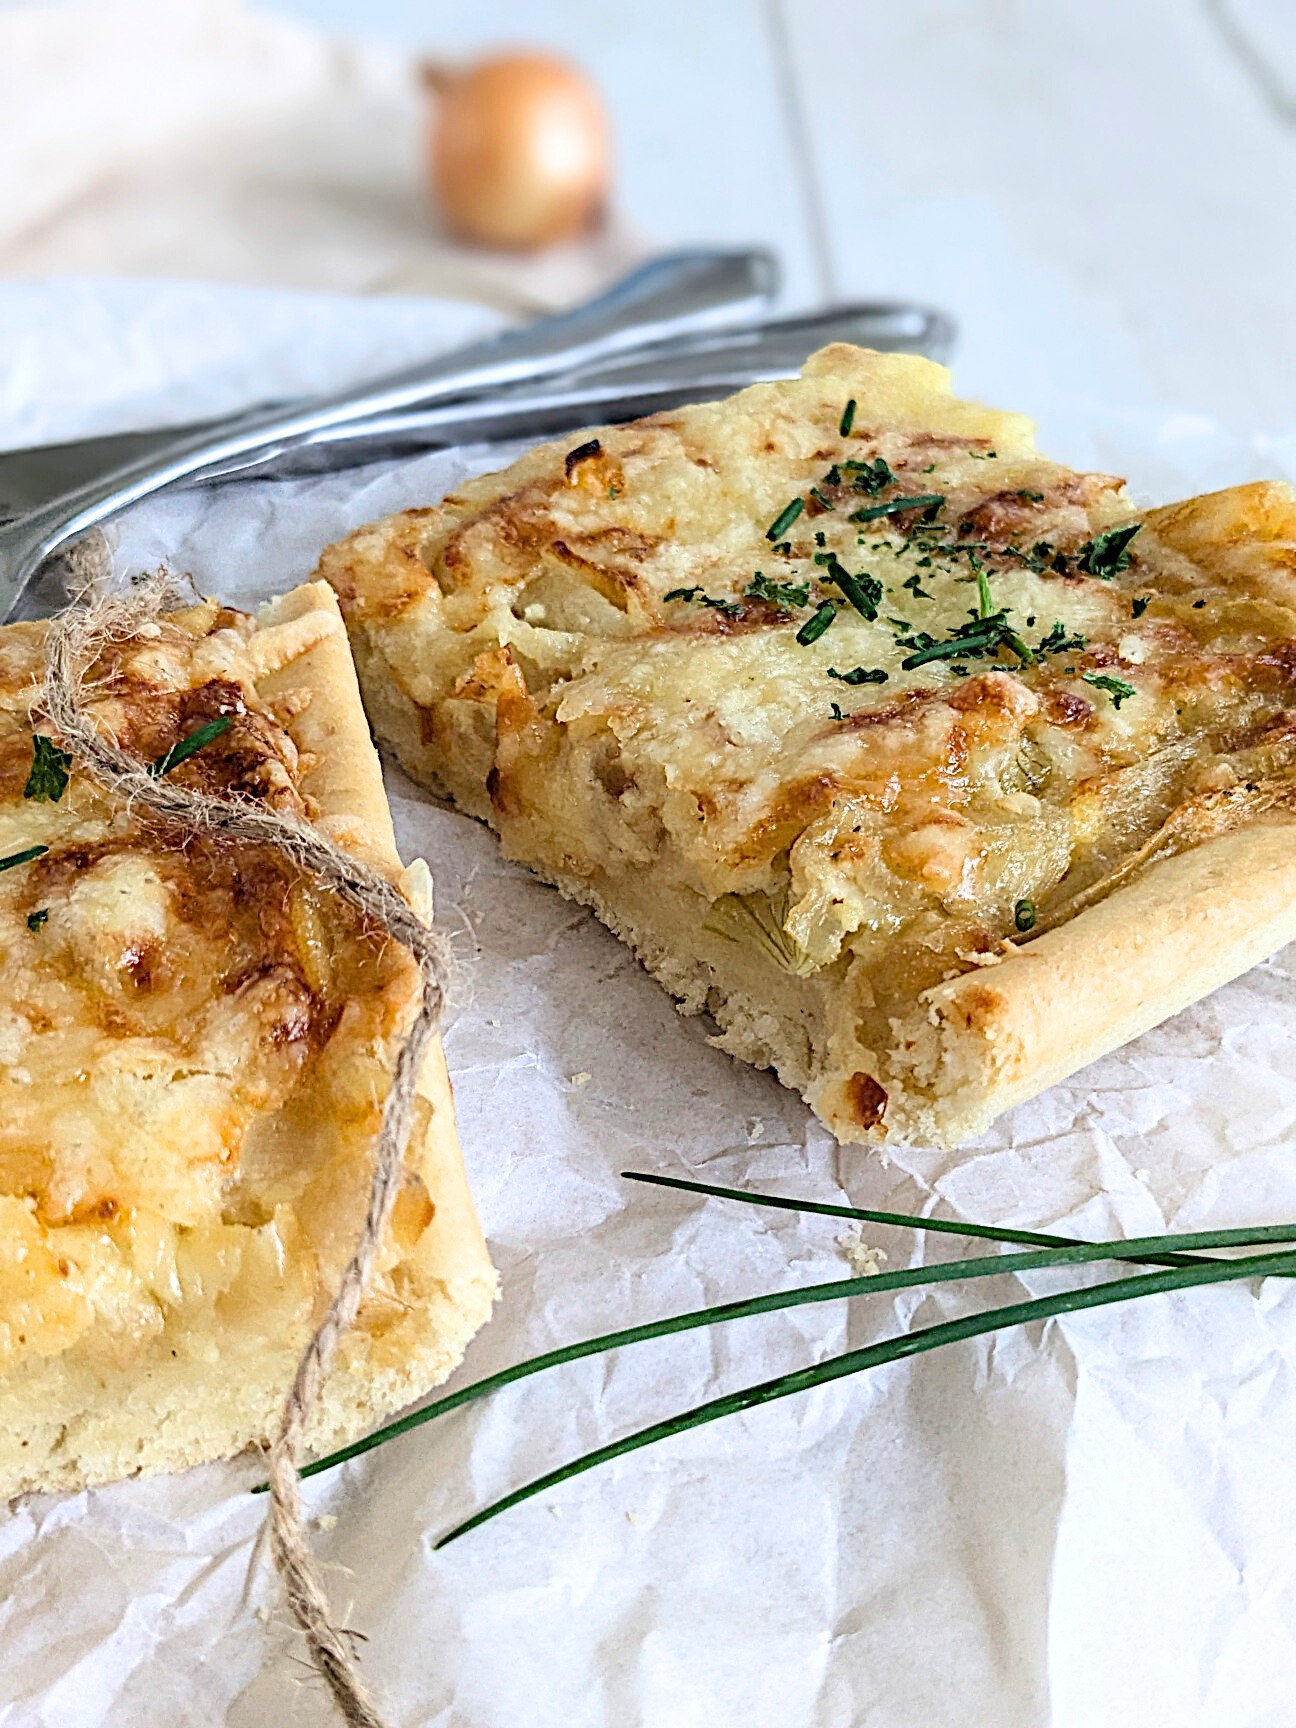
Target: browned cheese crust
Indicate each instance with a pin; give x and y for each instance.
(195, 1045)
(932, 769)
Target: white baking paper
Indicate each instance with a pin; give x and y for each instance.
(1085, 1525)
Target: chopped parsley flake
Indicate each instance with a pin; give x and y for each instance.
(838, 712)
(784, 595)
(47, 781)
(820, 500)
(1107, 554)
(1116, 688)
(814, 627)
(1058, 642)
(914, 583)
(1139, 605)
(859, 675)
(36, 919)
(700, 597)
(784, 520)
(872, 477)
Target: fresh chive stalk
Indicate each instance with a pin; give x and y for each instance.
(1251, 1237)
(891, 1350)
(1051, 1251)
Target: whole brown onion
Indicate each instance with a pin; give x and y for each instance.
(518, 150)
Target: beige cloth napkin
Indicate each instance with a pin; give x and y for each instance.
(206, 139)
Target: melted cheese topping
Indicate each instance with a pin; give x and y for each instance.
(1012, 702)
(166, 1016)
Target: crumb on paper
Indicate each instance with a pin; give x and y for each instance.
(864, 1262)
(581, 1079)
(324, 1521)
(492, 1022)
(632, 1517)
(1142, 1175)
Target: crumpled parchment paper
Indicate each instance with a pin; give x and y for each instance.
(1083, 1524)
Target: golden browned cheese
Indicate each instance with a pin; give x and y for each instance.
(871, 702)
(195, 1046)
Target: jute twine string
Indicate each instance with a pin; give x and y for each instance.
(76, 637)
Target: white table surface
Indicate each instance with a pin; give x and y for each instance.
(1102, 191)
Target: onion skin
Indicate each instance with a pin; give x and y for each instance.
(518, 151)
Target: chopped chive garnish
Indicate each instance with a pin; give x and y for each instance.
(847, 419)
(1116, 688)
(894, 506)
(984, 643)
(863, 592)
(1139, 605)
(814, 626)
(191, 745)
(820, 500)
(859, 675)
(1024, 915)
(985, 604)
(24, 857)
(47, 781)
(784, 520)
